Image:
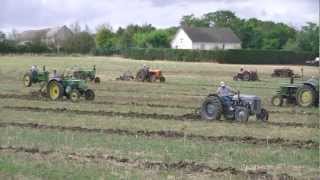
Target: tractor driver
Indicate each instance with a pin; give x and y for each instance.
(34, 71)
(225, 92)
(146, 70)
(55, 74)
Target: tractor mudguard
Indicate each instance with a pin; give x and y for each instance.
(213, 95)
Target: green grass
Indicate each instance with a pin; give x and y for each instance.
(187, 84)
(167, 150)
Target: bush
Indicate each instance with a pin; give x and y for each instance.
(266, 57)
(238, 56)
(105, 51)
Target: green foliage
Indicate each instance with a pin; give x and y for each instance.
(153, 39)
(308, 38)
(104, 37)
(9, 46)
(221, 56)
(254, 33)
(81, 42)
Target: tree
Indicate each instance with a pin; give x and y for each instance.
(220, 18)
(158, 39)
(308, 38)
(81, 42)
(75, 27)
(105, 37)
(192, 21)
(292, 45)
(2, 36)
(254, 33)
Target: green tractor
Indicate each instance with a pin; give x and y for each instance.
(34, 76)
(57, 87)
(304, 94)
(73, 89)
(84, 74)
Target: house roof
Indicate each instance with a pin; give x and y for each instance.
(53, 31)
(213, 34)
(31, 35)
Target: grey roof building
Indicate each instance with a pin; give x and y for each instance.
(53, 37)
(205, 38)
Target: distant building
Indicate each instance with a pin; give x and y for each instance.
(53, 37)
(205, 39)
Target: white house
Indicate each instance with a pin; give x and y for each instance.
(205, 39)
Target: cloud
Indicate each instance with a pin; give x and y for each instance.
(29, 14)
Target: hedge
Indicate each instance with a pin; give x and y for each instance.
(238, 56)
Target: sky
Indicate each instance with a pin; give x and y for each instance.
(34, 14)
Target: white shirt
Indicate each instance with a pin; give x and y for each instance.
(224, 91)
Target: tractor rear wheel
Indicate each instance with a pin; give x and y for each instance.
(141, 75)
(55, 90)
(211, 108)
(241, 114)
(246, 76)
(263, 116)
(74, 95)
(89, 95)
(277, 100)
(27, 80)
(162, 79)
(306, 96)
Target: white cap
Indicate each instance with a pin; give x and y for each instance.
(222, 84)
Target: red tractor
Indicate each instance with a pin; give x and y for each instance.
(246, 75)
(150, 75)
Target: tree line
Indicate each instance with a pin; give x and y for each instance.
(254, 34)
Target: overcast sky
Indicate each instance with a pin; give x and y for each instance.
(33, 14)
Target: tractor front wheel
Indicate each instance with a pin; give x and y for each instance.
(263, 116)
(74, 95)
(277, 100)
(55, 90)
(241, 114)
(246, 76)
(162, 79)
(97, 80)
(141, 75)
(306, 96)
(211, 108)
(89, 95)
(27, 80)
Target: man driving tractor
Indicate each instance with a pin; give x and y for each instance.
(225, 92)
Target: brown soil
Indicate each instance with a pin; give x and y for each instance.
(187, 166)
(185, 117)
(308, 144)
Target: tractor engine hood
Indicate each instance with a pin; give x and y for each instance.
(76, 83)
(245, 97)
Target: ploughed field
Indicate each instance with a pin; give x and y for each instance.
(136, 130)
